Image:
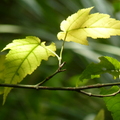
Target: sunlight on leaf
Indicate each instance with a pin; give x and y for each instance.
(106, 65)
(23, 58)
(81, 25)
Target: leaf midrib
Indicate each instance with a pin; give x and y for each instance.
(23, 62)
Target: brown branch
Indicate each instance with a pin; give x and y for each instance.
(59, 88)
(77, 89)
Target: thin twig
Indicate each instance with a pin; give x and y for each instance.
(56, 72)
(96, 95)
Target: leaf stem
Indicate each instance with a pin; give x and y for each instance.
(53, 53)
(62, 48)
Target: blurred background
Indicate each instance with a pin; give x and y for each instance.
(42, 18)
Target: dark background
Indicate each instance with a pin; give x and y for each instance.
(42, 18)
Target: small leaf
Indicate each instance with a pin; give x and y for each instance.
(106, 65)
(23, 58)
(113, 102)
(81, 25)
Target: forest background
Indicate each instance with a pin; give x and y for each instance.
(42, 18)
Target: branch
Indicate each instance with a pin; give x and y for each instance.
(59, 88)
(77, 89)
(48, 78)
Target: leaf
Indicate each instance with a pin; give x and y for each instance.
(106, 65)
(81, 25)
(113, 102)
(23, 58)
(100, 115)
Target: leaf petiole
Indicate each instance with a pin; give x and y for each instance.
(53, 53)
(62, 48)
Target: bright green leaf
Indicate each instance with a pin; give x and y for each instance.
(106, 65)
(23, 58)
(81, 25)
(113, 102)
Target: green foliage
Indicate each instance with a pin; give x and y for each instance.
(113, 102)
(23, 58)
(106, 65)
(25, 55)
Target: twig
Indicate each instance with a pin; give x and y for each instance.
(56, 72)
(96, 95)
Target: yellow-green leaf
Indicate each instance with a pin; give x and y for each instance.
(23, 58)
(81, 25)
